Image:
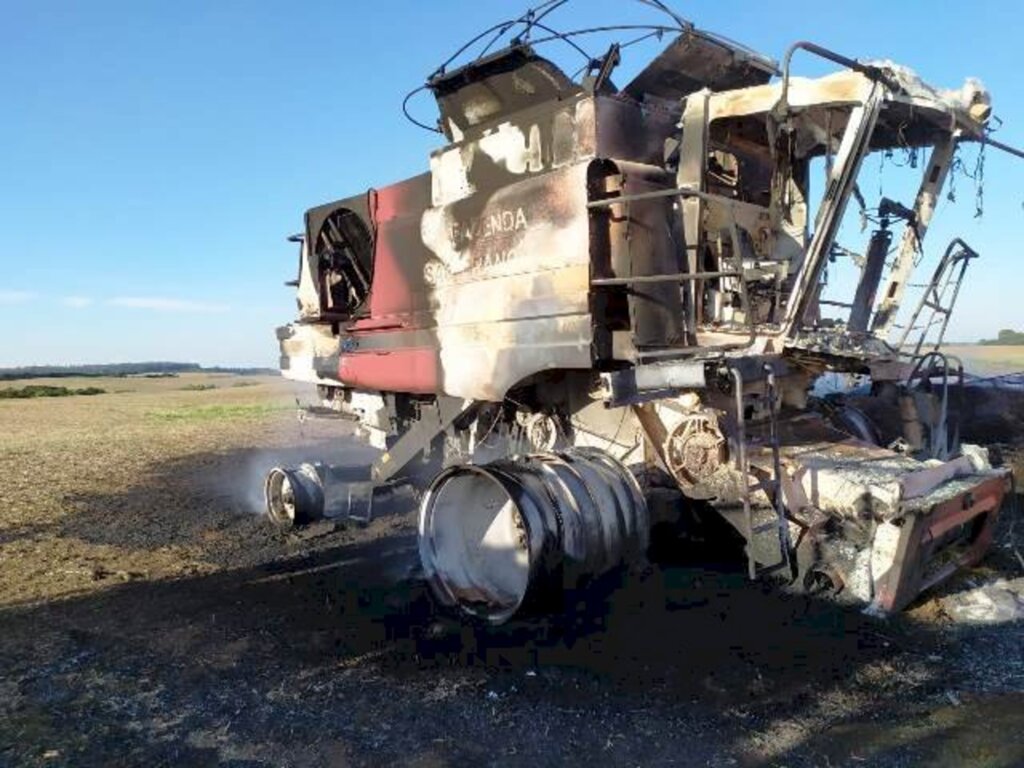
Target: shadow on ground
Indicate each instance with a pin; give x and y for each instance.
(329, 652)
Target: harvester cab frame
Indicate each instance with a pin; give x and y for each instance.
(771, 133)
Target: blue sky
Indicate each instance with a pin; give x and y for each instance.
(154, 156)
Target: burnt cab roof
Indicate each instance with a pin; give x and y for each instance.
(696, 60)
(505, 82)
(516, 78)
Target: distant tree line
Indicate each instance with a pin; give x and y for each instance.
(43, 390)
(121, 369)
(1006, 338)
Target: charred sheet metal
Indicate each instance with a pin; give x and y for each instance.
(498, 85)
(697, 60)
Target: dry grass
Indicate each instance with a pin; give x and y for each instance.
(988, 361)
(57, 452)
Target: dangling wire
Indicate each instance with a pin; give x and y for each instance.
(413, 120)
(909, 152)
(565, 37)
(979, 182)
(532, 19)
(959, 168)
(590, 65)
(535, 14)
(953, 168)
(683, 23)
(535, 19)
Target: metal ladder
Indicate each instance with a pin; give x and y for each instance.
(772, 485)
(938, 299)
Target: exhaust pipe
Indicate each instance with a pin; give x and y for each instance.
(310, 492)
(500, 539)
(294, 497)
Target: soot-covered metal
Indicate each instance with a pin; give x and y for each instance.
(597, 297)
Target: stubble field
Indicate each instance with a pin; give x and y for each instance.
(148, 616)
(988, 361)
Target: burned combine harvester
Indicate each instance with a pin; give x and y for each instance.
(602, 307)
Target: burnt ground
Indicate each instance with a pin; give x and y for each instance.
(324, 649)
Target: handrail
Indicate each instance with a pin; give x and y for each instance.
(674, 192)
(675, 277)
(681, 277)
(868, 70)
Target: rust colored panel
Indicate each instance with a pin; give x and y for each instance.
(922, 561)
(398, 288)
(415, 370)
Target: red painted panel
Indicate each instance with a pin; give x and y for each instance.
(398, 288)
(416, 370)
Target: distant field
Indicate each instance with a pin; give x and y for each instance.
(988, 361)
(183, 382)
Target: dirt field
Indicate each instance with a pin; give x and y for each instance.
(149, 617)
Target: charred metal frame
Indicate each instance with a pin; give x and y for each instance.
(689, 279)
(549, 282)
(839, 187)
(974, 514)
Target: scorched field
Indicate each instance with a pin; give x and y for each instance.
(149, 616)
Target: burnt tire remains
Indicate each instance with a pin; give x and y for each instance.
(500, 539)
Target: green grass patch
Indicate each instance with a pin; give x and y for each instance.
(218, 412)
(44, 390)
